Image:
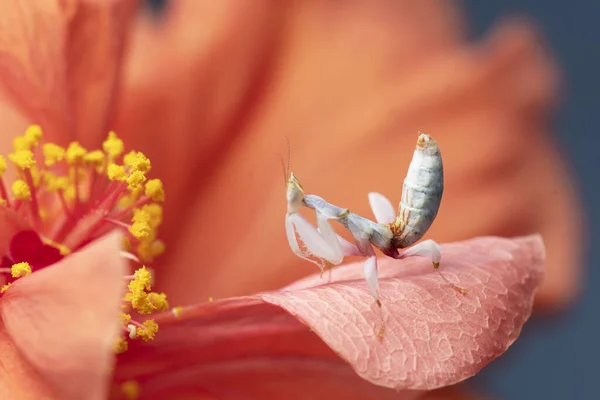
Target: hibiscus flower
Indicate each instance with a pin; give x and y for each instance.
(59, 64)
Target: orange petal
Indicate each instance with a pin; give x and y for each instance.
(64, 319)
(95, 46)
(240, 346)
(432, 335)
(204, 81)
(58, 64)
(350, 87)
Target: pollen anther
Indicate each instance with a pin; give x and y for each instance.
(21, 190)
(20, 270)
(70, 196)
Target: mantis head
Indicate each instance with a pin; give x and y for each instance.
(294, 193)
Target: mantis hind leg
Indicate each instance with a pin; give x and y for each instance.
(428, 249)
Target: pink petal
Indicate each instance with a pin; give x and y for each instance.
(64, 318)
(433, 335)
(18, 379)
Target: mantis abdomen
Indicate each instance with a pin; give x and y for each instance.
(421, 194)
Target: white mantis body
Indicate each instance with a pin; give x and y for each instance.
(421, 198)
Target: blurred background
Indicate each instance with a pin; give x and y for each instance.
(556, 357)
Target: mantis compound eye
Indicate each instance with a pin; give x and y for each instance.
(294, 193)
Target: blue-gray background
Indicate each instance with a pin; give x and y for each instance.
(557, 358)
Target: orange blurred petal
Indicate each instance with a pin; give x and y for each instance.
(59, 62)
(350, 86)
(204, 82)
(63, 320)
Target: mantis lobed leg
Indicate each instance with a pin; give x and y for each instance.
(322, 245)
(370, 268)
(382, 208)
(349, 249)
(372, 278)
(427, 248)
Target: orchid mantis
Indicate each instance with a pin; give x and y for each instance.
(421, 198)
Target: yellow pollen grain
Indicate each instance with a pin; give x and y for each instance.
(129, 158)
(144, 277)
(135, 180)
(154, 190)
(113, 146)
(140, 300)
(126, 201)
(131, 390)
(95, 159)
(141, 303)
(210, 299)
(23, 159)
(134, 291)
(53, 153)
(137, 161)
(150, 329)
(140, 227)
(155, 212)
(149, 250)
(75, 153)
(5, 288)
(33, 134)
(3, 166)
(20, 143)
(125, 318)
(20, 270)
(116, 173)
(53, 183)
(21, 190)
(159, 301)
(120, 345)
(140, 230)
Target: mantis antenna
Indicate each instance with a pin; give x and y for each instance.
(286, 167)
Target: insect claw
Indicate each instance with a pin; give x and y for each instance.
(380, 332)
(461, 290)
(455, 287)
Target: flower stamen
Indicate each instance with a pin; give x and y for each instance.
(76, 196)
